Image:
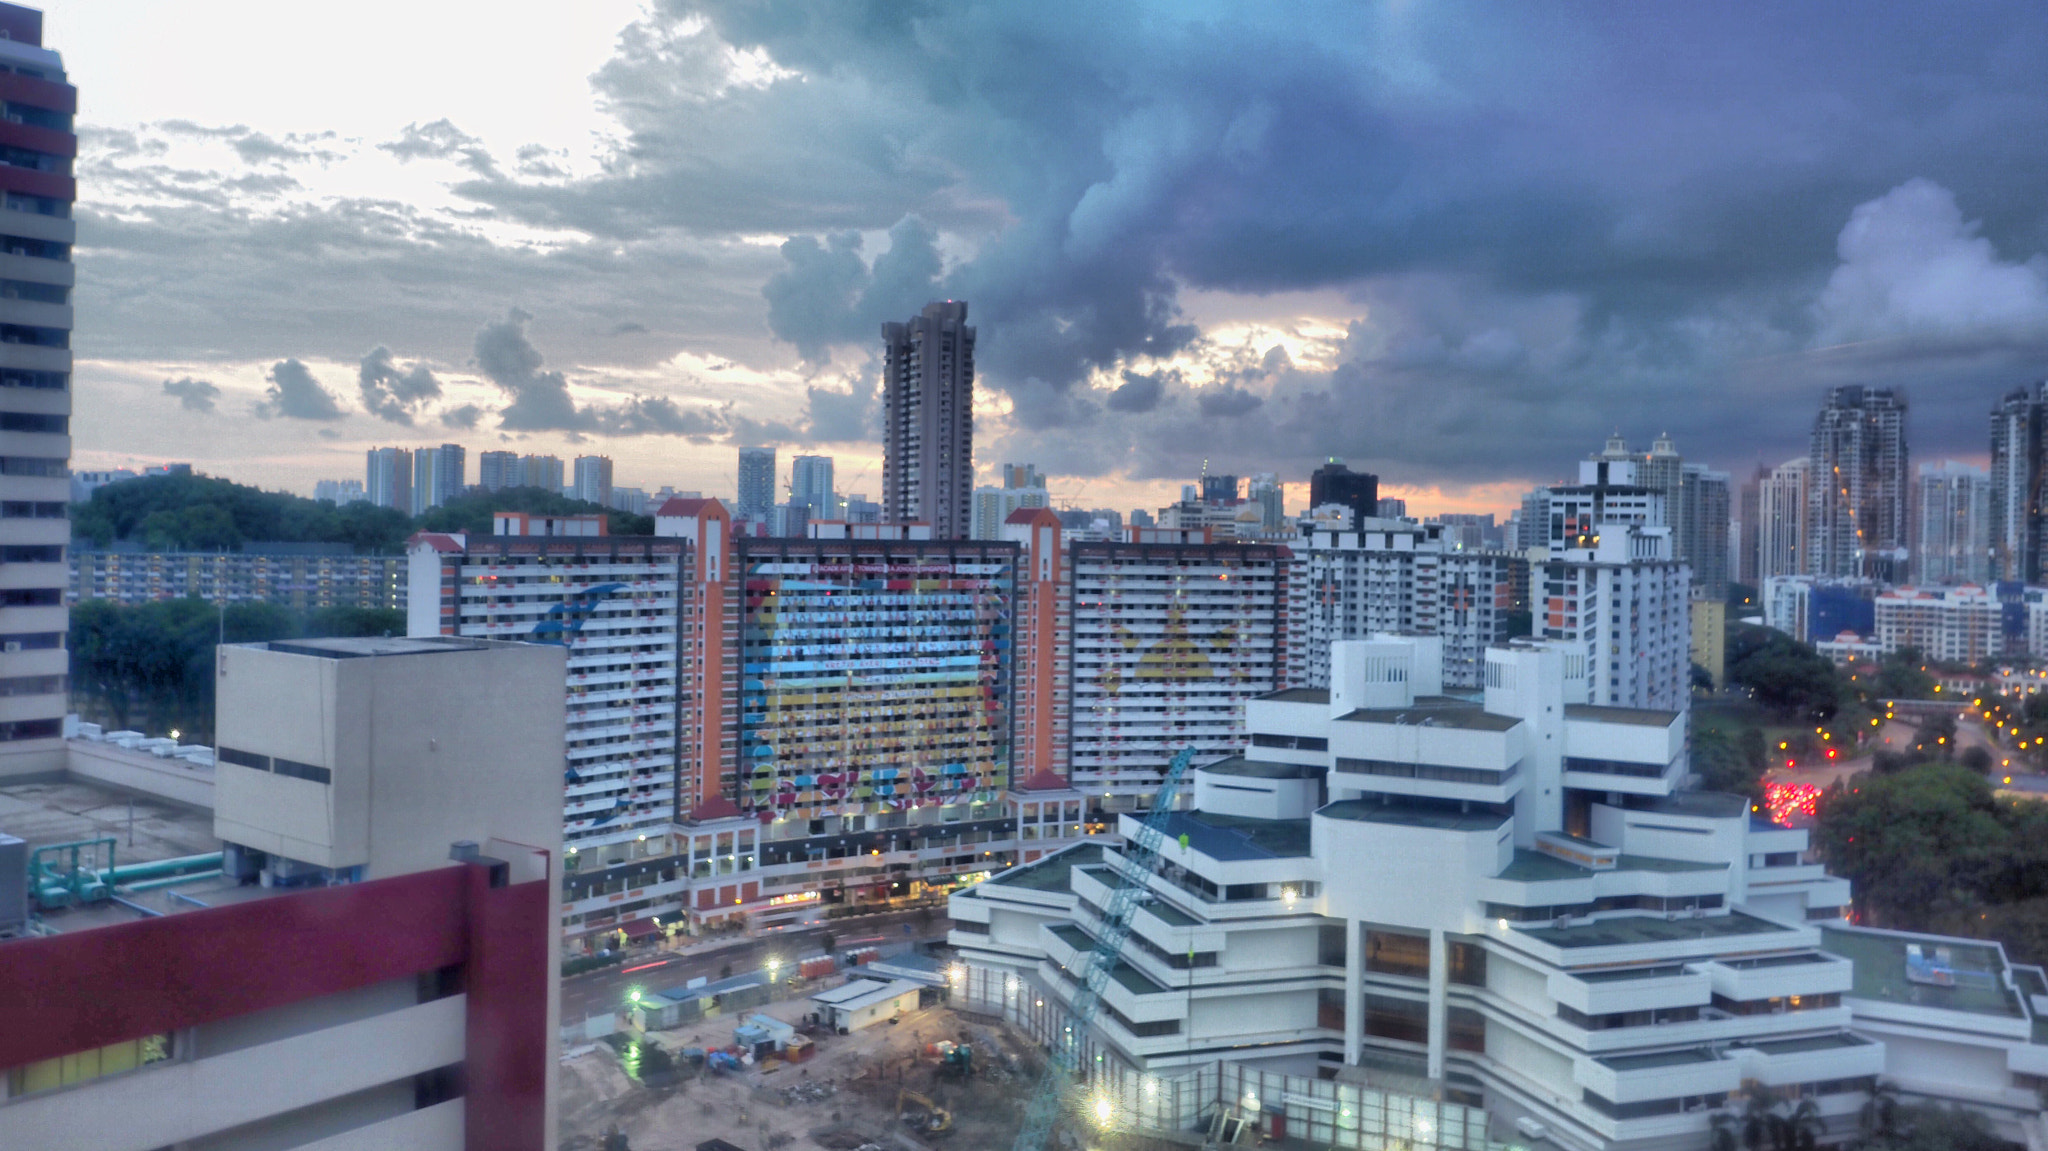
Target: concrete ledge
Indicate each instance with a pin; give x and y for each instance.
(172, 779)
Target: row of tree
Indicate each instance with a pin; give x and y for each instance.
(150, 666)
(201, 513)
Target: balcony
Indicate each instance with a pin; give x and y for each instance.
(1690, 1071)
(1780, 977)
(1616, 992)
(1810, 1059)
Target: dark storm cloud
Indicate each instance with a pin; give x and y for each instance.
(391, 394)
(540, 400)
(193, 395)
(295, 394)
(1140, 391)
(1680, 176)
(463, 416)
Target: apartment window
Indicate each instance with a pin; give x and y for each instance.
(32, 510)
(31, 729)
(1467, 964)
(36, 335)
(1393, 953)
(32, 641)
(34, 466)
(1293, 742)
(1402, 1020)
(31, 597)
(34, 422)
(30, 246)
(40, 205)
(80, 1067)
(32, 553)
(297, 770)
(32, 685)
(31, 290)
(21, 378)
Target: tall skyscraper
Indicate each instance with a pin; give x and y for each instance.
(1532, 527)
(1748, 534)
(1264, 489)
(757, 483)
(1781, 520)
(928, 420)
(593, 479)
(1613, 585)
(437, 476)
(2018, 509)
(544, 472)
(810, 484)
(1023, 476)
(35, 390)
(496, 471)
(1953, 544)
(1218, 489)
(388, 478)
(1856, 522)
(1703, 529)
(339, 491)
(1334, 483)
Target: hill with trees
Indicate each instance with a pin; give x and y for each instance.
(203, 513)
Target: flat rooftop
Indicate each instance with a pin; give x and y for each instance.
(1536, 866)
(1227, 838)
(1260, 769)
(1435, 711)
(1401, 815)
(73, 809)
(1636, 929)
(1706, 804)
(1051, 873)
(363, 647)
(1880, 959)
(1641, 717)
(1299, 695)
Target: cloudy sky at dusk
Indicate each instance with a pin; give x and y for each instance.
(1455, 244)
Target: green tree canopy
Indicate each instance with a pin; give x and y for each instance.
(1915, 844)
(1785, 676)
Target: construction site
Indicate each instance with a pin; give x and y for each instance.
(930, 1077)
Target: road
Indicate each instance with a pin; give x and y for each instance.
(596, 992)
(1895, 735)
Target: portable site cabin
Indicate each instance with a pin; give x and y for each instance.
(860, 1003)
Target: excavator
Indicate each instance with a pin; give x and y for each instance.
(935, 1120)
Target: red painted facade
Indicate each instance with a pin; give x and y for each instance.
(85, 989)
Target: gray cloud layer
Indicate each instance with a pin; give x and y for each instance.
(294, 394)
(1548, 223)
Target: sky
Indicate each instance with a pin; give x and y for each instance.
(1454, 244)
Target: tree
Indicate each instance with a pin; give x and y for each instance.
(1785, 676)
(1936, 735)
(1976, 759)
(1701, 679)
(1925, 839)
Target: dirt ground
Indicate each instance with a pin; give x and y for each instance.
(841, 1099)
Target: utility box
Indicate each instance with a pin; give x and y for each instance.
(13, 884)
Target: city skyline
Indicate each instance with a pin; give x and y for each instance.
(1671, 294)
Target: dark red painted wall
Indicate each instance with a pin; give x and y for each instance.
(22, 24)
(86, 989)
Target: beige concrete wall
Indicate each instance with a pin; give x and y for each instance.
(172, 779)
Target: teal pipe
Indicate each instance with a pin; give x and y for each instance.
(169, 881)
(125, 874)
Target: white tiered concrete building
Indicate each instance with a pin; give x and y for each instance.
(1461, 922)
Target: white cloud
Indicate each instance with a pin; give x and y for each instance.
(1913, 266)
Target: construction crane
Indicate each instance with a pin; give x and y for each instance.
(1043, 1111)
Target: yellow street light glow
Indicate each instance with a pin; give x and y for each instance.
(1103, 1110)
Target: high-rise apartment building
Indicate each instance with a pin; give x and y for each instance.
(1746, 540)
(757, 484)
(340, 492)
(1953, 542)
(1168, 640)
(387, 480)
(1782, 508)
(1023, 476)
(1703, 529)
(593, 480)
(613, 603)
(1858, 486)
(1264, 489)
(994, 506)
(1613, 585)
(496, 471)
(1219, 489)
(543, 472)
(35, 389)
(810, 484)
(1336, 483)
(1532, 527)
(928, 420)
(2019, 475)
(1402, 577)
(437, 476)
(851, 695)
